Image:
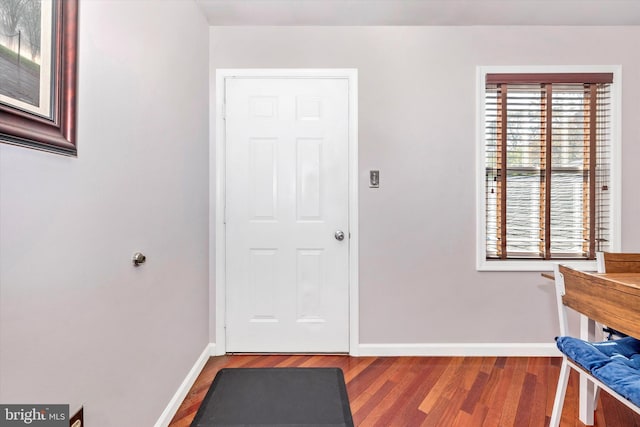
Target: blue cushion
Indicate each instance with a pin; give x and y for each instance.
(615, 363)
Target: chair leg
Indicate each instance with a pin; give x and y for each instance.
(596, 395)
(587, 397)
(561, 390)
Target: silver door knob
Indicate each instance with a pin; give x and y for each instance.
(339, 235)
(138, 258)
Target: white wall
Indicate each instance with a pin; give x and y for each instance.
(418, 282)
(78, 323)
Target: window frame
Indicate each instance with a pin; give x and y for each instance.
(482, 263)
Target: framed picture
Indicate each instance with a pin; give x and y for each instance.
(38, 60)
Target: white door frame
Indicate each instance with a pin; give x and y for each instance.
(217, 164)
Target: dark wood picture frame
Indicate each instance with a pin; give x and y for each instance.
(56, 133)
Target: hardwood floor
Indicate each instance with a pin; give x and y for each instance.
(435, 391)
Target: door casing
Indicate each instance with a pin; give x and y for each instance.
(217, 237)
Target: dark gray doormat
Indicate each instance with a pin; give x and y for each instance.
(276, 397)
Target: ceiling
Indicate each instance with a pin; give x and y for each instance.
(421, 12)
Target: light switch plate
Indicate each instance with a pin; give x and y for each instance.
(374, 179)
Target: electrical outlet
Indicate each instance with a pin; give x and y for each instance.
(77, 420)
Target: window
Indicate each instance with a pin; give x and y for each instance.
(547, 166)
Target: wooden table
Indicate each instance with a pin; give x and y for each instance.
(612, 299)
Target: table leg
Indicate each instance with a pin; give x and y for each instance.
(587, 388)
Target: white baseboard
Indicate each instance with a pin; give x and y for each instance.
(460, 349)
(178, 397)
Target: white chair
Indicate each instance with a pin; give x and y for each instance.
(564, 274)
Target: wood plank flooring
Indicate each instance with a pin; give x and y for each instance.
(435, 391)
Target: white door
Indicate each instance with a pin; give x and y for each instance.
(287, 196)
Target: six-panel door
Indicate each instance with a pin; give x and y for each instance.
(286, 197)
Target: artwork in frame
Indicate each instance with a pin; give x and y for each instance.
(38, 61)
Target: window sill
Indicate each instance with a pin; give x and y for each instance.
(533, 265)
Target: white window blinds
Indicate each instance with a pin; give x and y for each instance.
(547, 147)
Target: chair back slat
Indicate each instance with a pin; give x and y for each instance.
(621, 262)
(601, 300)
